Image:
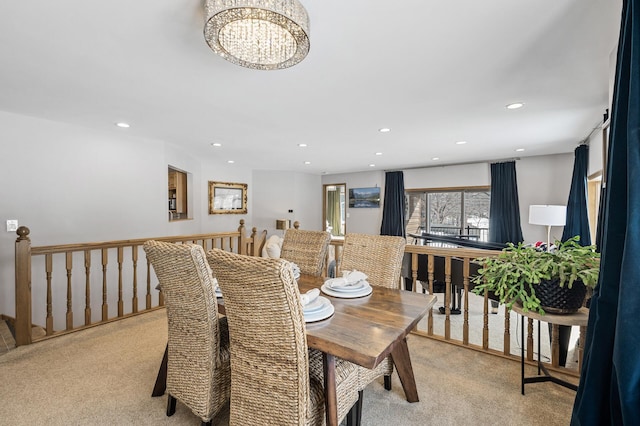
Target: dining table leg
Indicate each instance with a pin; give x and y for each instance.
(402, 361)
(330, 399)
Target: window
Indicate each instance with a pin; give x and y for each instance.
(451, 211)
(594, 190)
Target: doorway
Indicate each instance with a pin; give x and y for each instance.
(334, 209)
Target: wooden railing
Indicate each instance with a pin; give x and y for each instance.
(110, 274)
(110, 269)
(495, 337)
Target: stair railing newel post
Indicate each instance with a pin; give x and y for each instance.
(23, 287)
(252, 242)
(242, 239)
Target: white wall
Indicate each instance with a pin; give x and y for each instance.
(278, 192)
(595, 152)
(71, 185)
(478, 174)
(224, 173)
(541, 180)
(367, 220)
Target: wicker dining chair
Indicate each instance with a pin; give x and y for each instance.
(275, 378)
(307, 249)
(380, 257)
(198, 363)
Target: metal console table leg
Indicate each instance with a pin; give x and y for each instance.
(580, 318)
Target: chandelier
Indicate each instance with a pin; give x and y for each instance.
(258, 34)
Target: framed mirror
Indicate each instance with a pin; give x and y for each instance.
(334, 213)
(227, 197)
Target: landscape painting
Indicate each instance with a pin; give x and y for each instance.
(364, 197)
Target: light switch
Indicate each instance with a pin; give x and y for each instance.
(12, 225)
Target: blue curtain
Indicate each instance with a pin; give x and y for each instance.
(609, 391)
(577, 216)
(393, 211)
(504, 209)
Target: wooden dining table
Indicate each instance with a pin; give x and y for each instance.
(363, 331)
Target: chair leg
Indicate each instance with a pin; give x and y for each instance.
(161, 380)
(387, 382)
(171, 405)
(354, 417)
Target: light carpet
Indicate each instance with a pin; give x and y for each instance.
(104, 375)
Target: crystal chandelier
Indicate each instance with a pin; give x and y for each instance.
(258, 34)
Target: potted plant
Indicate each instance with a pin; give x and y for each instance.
(539, 280)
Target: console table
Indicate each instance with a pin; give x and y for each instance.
(579, 318)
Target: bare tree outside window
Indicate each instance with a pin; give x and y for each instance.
(462, 211)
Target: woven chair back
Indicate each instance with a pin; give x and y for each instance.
(378, 256)
(307, 249)
(269, 359)
(194, 335)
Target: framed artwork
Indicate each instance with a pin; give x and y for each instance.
(364, 197)
(227, 198)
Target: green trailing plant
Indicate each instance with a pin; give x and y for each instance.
(514, 275)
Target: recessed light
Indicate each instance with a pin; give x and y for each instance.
(378, 153)
(384, 130)
(216, 144)
(372, 165)
(302, 145)
(230, 161)
(307, 162)
(435, 158)
(123, 125)
(519, 149)
(461, 142)
(515, 105)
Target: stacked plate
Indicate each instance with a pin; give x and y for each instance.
(359, 289)
(319, 309)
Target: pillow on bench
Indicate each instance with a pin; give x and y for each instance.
(272, 247)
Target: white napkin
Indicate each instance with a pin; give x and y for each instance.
(349, 278)
(309, 297)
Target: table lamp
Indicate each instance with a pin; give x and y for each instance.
(549, 216)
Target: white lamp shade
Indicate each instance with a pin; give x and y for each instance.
(547, 215)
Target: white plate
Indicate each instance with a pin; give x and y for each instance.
(351, 288)
(365, 291)
(320, 315)
(317, 305)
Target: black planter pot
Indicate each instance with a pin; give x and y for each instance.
(560, 300)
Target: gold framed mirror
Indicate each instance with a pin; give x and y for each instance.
(227, 197)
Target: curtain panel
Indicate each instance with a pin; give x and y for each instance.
(504, 209)
(577, 214)
(394, 205)
(609, 390)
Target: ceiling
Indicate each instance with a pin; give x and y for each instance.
(435, 73)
